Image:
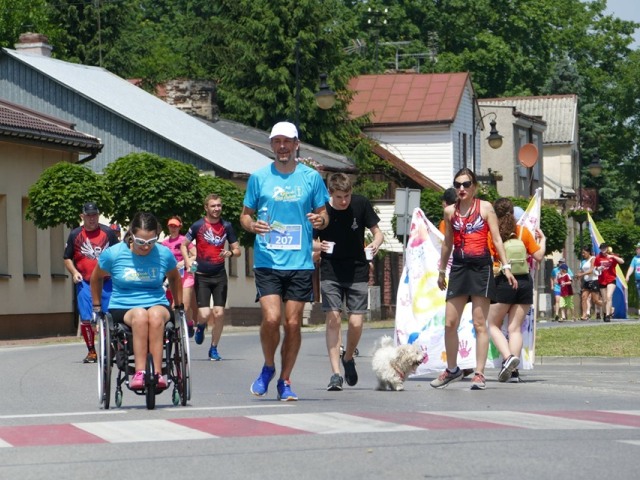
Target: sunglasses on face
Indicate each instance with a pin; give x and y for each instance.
(466, 184)
(141, 242)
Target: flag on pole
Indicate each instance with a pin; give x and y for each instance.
(620, 295)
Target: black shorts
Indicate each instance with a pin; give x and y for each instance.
(590, 285)
(118, 313)
(523, 295)
(296, 285)
(207, 286)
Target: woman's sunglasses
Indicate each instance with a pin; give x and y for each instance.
(142, 242)
(466, 184)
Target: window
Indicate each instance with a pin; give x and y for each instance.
(29, 244)
(4, 243)
(56, 250)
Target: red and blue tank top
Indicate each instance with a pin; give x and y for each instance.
(470, 233)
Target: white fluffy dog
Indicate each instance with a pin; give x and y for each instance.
(392, 363)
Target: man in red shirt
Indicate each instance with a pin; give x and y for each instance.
(84, 246)
(211, 233)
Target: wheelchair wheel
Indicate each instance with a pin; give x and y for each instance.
(104, 362)
(150, 383)
(182, 363)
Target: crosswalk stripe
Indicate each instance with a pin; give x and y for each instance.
(529, 420)
(333, 422)
(309, 423)
(142, 431)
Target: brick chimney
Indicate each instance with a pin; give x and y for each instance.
(34, 43)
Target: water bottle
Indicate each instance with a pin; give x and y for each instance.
(263, 214)
(194, 267)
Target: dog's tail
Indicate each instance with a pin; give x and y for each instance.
(385, 341)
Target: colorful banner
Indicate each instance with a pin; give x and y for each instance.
(420, 303)
(620, 295)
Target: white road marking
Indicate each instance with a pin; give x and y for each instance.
(530, 420)
(333, 422)
(142, 431)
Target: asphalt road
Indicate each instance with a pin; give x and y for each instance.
(566, 420)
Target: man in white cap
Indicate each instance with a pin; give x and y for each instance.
(283, 203)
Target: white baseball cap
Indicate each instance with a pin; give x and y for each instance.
(286, 129)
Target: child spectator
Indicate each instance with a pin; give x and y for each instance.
(566, 294)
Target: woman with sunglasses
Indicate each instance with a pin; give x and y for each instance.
(137, 267)
(468, 223)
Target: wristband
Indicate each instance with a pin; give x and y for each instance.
(506, 266)
(442, 272)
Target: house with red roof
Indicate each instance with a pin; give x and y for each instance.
(426, 120)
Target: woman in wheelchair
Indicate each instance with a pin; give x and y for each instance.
(137, 267)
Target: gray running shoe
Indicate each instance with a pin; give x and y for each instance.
(446, 378)
(335, 383)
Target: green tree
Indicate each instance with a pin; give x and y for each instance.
(149, 183)
(60, 192)
(18, 17)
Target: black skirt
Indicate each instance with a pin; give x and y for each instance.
(472, 277)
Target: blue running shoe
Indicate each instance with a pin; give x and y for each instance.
(199, 335)
(213, 354)
(261, 384)
(285, 394)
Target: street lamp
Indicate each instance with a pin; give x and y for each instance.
(595, 169)
(325, 98)
(494, 138)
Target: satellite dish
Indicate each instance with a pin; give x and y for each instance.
(528, 155)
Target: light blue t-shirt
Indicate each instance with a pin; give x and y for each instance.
(137, 279)
(287, 199)
(635, 264)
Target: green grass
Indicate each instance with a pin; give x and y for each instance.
(597, 341)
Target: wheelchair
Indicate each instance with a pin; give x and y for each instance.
(115, 349)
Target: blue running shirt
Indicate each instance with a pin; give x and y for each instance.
(287, 198)
(137, 279)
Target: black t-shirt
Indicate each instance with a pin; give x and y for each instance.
(346, 227)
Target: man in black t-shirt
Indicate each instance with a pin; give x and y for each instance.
(344, 271)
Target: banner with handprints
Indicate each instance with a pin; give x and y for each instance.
(420, 305)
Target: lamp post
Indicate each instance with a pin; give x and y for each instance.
(494, 139)
(595, 169)
(325, 97)
(378, 20)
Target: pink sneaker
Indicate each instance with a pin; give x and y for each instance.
(137, 382)
(162, 382)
